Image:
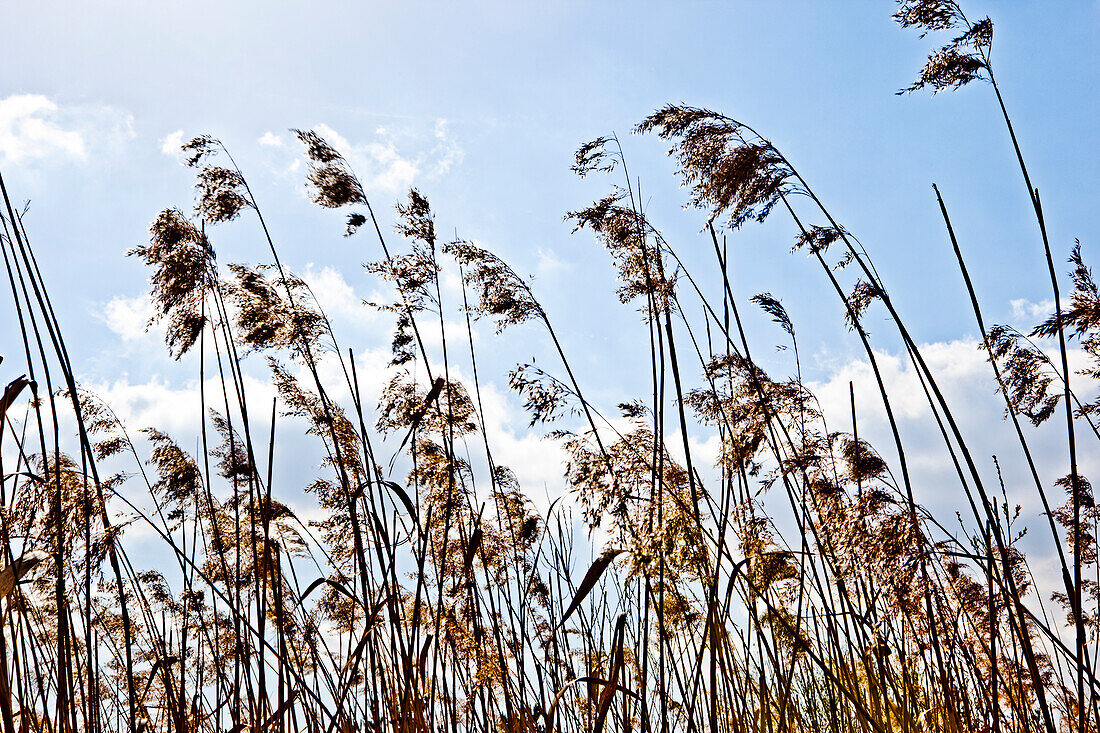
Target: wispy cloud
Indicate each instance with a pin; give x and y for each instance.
(34, 128)
(446, 152)
(1028, 313)
(384, 165)
(548, 263)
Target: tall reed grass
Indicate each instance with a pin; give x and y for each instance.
(795, 586)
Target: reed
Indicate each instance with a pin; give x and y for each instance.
(797, 585)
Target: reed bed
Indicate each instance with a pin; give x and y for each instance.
(796, 585)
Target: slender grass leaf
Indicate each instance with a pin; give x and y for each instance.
(589, 582)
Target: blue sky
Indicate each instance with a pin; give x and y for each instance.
(520, 85)
(481, 106)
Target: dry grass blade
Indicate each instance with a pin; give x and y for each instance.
(589, 582)
(608, 693)
(11, 393)
(17, 569)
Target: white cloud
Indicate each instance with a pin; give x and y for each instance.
(174, 407)
(958, 363)
(1027, 313)
(271, 140)
(456, 334)
(538, 463)
(34, 127)
(127, 317)
(336, 297)
(967, 383)
(171, 143)
(154, 403)
(394, 173)
(30, 129)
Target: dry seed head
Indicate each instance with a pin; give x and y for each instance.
(962, 60)
(1079, 493)
(635, 246)
(200, 147)
(727, 174)
(742, 400)
(413, 273)
(545, 397)
(403, 346)
(334, 186)
(180, 481)
(329, 422)
(859, 300)
(221, 194)
(864, 464)
(267, 317)
(233, 461)
(100, 420)
(502, 294)
(771, 305)
(182, 255)
(331, 178)
(416, 219)
(818, 238)
(1082, 317)
(1026, 374)
(594, 157)
(183, 260)
(947, 69)
(355, 221)
(403, 405)
(317, 148)
(930, 15)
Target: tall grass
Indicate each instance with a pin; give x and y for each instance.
(796, 585)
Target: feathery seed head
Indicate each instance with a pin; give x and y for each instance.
(728, 175)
